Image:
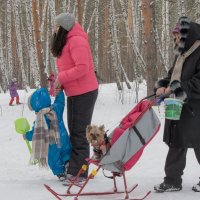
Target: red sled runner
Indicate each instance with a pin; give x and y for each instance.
(128, 141)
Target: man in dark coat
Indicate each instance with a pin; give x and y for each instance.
(184, 82)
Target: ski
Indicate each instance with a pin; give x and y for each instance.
(144, 197)
(58, 195)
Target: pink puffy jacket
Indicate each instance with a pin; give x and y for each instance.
(75, 65)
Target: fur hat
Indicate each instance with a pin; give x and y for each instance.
(184, 29)
(65, 20)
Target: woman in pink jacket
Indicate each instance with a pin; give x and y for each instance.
(77, 77)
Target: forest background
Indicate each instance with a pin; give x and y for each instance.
(131, 40)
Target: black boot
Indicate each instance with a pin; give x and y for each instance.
(196, 187)
(165, 187)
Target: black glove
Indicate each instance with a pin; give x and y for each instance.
(178, 90)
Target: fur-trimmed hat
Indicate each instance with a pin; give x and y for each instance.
(65, 20)
(184, 27)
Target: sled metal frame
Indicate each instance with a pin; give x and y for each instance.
(94, 172)
(91, 176)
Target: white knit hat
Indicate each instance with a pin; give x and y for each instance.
(66, 20)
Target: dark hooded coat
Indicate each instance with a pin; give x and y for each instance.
(186, 131)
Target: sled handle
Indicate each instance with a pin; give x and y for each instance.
(161, 96)
(147, 97)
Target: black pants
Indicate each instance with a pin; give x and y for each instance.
(79, 113)
(175, 164)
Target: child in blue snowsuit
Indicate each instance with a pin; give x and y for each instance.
(58, 156)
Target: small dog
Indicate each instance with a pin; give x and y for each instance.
(96, 136)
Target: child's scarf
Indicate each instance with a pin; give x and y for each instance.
(176, 75)
(43, 136)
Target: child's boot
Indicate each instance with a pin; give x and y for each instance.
(61, 177)
(17, 100)
(11, 101)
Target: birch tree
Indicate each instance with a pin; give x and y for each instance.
(44, 34)
(68, 6)
(4, 71)
(181, 8)
(84, 12)
(115, 69)
(165, 39)
(118, 47)
(130, 36)
(96, 36)
(64, 6)
(9, 42)
(19, 40)
(34, 70)
(117, 40)
(197, 2)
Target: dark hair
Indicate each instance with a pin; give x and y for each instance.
(58, 42)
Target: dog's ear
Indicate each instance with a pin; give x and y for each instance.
(102, 128)
(88, 128)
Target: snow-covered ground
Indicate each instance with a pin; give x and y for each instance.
(19, 180)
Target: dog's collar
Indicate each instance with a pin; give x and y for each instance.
(96, 149)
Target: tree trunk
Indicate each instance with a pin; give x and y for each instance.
(84, 13)
(197, 11)
(117, 47)
(96, 36)
(79, 11)
(149, 43)
(19, 41)
(165, 33)
(9, 39)
(43, 76)
(181, 8)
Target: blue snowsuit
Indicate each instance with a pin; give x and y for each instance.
(57, 156)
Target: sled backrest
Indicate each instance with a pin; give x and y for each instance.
(130, 119)
(135, 131)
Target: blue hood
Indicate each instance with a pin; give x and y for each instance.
(39, 99)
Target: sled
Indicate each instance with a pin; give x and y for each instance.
(128, 141)
(91, 176)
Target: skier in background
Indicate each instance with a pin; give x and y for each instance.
(13, 86)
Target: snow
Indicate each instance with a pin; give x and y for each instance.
(18, 179)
